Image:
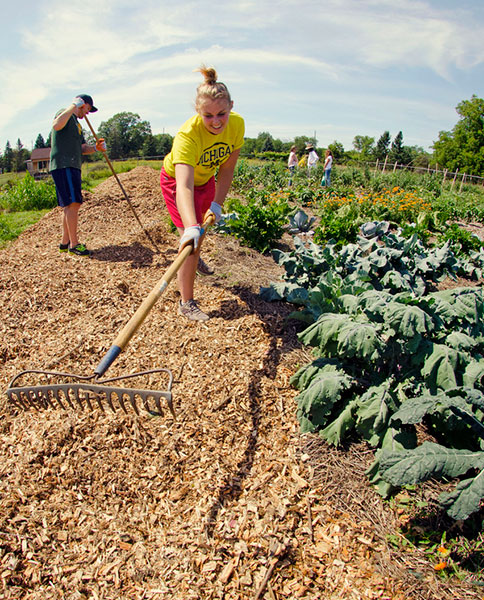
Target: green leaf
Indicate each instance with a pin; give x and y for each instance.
(452, 411)
(317, 400)
(360, 340)
(461, 341)
(324, 332)
(464, 304)
(440, 367)
(395, 280)
(474, 373)
(431, 460)
(427, 461)
(343, 423)
(303, 377)
(465, 499)
(373, 413)
(408, 320)
(393, 441)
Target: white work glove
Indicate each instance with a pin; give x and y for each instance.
(217, 211)
(78, 102)
(191, 234)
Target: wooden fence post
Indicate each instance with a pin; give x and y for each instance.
(395, 167)
(453, 181)
(462, 182)
(385, 163)
(376, 166)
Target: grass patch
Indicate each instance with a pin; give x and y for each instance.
(9, 179)
(12, 224)
(94, 173)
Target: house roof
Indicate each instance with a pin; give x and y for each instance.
(40, 154)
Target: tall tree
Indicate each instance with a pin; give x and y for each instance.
(337, 150)
(164, 142)
(39, 142)
(396, 151)
(149, 146)
(20, 155)
(8, 157)
(383, 146)
(301, 141)
(265, 142)
(365, 145)
(463, 147)
(249, 148)
(125, 134)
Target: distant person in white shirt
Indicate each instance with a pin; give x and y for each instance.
(312, 158)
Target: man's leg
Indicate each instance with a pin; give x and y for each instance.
(69, 224)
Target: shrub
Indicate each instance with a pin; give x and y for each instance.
(29, 194)
(260, 222)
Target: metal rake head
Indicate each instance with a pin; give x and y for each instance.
(88, 392)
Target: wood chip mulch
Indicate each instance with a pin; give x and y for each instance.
(228, 501)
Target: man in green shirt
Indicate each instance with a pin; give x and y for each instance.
(67, 147)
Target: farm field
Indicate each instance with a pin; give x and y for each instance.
(230, 500)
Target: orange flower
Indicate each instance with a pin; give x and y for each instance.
(440, 566)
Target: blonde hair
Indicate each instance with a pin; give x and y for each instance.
(210, 89)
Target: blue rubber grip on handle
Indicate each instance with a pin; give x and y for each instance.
(108, 359)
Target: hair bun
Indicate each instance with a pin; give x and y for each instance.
(209, 74)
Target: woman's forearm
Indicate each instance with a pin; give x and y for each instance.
(225, 177)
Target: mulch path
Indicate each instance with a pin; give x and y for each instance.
(228, 501)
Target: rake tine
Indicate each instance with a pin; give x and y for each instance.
(20, 401)
(121, 402)
(169, 400)
(67, 398)
(98, 400)
(56, 395)
(85, 397)
(133, 403)
(146, 403)
(36, 400)
(75, 393)
(110, 401)
(48, 398)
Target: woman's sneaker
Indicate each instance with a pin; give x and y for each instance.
(63, 247)
(190, 310)
(203, 268)
(80, 250)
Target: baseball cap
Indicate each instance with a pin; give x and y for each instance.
(88, 99)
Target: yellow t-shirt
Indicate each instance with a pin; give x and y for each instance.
(195, 146)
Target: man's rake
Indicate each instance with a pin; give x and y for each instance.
(89, 391)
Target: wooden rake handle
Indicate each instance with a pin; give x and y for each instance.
(140, 315)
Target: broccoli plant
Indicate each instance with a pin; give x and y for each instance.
(389, 354)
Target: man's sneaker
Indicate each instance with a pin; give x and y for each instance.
(80, 250)
(63, 247)
(203, 268)
(190, 310)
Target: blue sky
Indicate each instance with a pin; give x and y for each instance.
(337, 69)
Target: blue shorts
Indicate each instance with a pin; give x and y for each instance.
(67, 186)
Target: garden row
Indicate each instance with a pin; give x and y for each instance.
(392, 354)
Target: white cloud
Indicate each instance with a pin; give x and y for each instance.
(279, 59)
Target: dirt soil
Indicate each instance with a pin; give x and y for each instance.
(228, 501)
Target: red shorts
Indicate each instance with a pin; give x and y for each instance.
(203, 197)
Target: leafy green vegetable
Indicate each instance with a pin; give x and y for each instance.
(431, 460)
